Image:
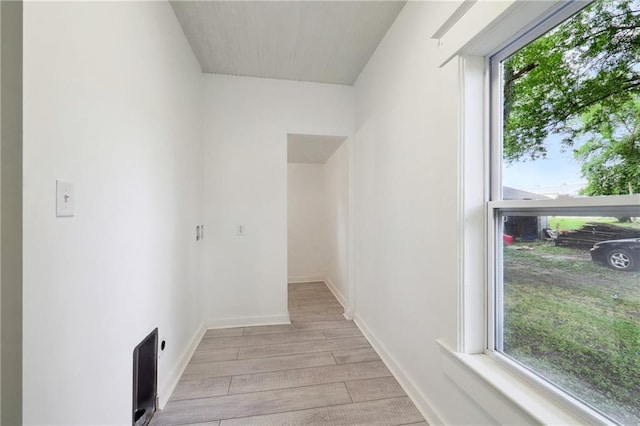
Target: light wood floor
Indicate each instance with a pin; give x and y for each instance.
(319, 370)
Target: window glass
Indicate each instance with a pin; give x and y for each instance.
(567, 268)
(571, 107)
(571, 306)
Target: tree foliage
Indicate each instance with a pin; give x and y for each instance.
(580, 80)
(611, 157)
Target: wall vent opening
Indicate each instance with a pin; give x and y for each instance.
(145, 379)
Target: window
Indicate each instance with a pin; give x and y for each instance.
(564, 214)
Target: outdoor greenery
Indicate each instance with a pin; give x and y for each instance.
(577, 323)
(581, 81)
(567, 223)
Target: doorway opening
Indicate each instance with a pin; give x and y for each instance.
(318, 208)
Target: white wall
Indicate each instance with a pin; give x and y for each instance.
(306, 222)
(336, 175)
(112, 103)
(406, 209)
(408, 176)
(246, 126)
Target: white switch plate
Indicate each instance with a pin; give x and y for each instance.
(240, 230)
(65, 199)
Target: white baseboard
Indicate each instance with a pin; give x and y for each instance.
(248, 321)
(419, 400)
(305, 279)
(172, 379)
(338, 295)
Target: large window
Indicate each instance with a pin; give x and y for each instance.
(564, 212)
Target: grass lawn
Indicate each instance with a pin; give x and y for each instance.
(577, 323)
(572, 223)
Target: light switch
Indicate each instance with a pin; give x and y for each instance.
(240, 230)
(64, 199)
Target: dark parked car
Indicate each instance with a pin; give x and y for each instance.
(622, 255)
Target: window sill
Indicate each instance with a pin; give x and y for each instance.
(505, 396)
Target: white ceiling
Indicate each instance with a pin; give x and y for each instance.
(320, 41)
(311, 148)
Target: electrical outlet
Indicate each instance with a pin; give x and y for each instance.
(240, 230)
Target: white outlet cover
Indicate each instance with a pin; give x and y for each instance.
(65, 199)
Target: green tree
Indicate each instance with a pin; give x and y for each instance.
(580, 80)
(611, 157)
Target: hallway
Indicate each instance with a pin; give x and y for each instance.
(318, 370)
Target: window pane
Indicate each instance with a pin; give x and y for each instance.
(571, 107)
(568, 288)
(571, 306)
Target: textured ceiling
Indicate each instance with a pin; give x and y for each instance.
(320, 41)
(311, 148)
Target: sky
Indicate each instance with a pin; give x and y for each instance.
(558, 173)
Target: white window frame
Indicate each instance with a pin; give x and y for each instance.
(624, 205)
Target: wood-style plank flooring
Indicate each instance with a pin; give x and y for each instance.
(318, 370)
